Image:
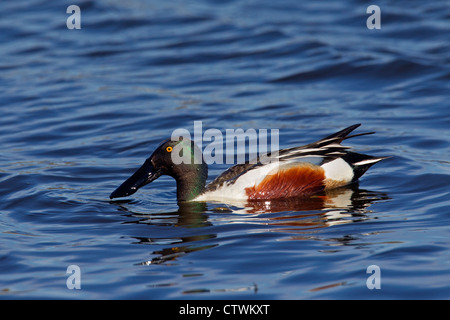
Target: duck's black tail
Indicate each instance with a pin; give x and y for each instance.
(344, 134)
(360, 162)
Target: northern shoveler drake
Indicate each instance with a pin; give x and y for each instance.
(299, 172)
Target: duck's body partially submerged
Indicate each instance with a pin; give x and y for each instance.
(293, 172)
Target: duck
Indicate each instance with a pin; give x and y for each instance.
(295, 172)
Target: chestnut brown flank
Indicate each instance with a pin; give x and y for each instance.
(299, 180)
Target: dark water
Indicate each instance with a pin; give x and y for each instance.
(82, 109)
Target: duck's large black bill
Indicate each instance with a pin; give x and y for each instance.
(140, 178)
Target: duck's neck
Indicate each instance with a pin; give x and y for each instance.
(191, 181)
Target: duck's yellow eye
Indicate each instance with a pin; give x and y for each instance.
(169, 149)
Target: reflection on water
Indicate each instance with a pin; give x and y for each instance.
(349, 197)
(172, 253)
(296, 216)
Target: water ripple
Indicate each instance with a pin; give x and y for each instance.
(82, 109)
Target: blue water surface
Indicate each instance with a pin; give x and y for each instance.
(82, 109)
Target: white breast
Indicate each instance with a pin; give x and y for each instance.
(236, 191)
(338, 170)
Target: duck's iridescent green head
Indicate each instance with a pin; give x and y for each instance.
(180, 159)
